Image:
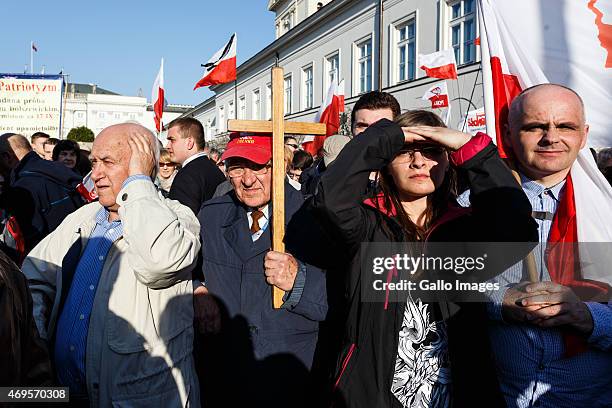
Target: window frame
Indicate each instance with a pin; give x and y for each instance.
(308, 87)
(222, 119)
(327, 65)
(359, 60)
(256, 104)
(288, 98)
(242, 107)
(460, 22)
(398, 44)
(269, 101)
(231, 109)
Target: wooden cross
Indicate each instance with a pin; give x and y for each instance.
(278, 127)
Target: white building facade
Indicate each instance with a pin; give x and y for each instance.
(97, 108)
(352, 40)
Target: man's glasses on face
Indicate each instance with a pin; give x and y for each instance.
(428, 153)
(238, 170)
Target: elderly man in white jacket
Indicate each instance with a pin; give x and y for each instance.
(112, 284)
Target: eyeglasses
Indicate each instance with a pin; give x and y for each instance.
(164, 164)
(239, 171)
(428, 152)
(292, 145)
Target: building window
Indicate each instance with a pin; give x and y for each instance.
(288, 21)
(230, 110)
(256, 114)
(332, 68)
(307, 87)
(463, 30)
(269, 102)
(222, 118)
(101, 115)
(242, 107)
(406, 50)
(364, 66)
(288, 94)
(207, 130)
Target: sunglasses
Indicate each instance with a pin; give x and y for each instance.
(428, 152)
(292, 145)
(164, 164)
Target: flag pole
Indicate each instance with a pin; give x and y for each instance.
(236, 97)
(31, 57)
(470, 102)
(487, 75)
(459, 96)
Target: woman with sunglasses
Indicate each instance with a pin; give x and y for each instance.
(167, 172)
(412, 352)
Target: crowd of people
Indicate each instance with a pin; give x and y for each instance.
(159, 292)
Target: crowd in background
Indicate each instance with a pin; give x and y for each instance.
(159, 292)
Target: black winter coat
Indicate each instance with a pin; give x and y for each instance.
(41, 195)
(196, 183)
(366, 366)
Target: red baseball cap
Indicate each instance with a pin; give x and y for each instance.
(254, 147)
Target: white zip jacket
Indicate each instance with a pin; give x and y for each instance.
(140, 338)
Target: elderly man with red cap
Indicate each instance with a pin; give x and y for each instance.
(264, 352)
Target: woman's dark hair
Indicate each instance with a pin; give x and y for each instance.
(66, 146)
(437, 202)
(301, 160)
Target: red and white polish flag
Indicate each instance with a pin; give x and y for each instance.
(514, 45)
(221, 68)
(87, 189)
(439, 64)
(158, 99)
(329, 113)
(437, 94)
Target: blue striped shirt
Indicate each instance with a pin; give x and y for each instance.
(73, 322)
(530, 361)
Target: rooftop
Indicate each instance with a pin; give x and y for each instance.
(88, 89)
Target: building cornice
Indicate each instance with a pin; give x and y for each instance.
(272, 4)
(311, 23)
(199, 107)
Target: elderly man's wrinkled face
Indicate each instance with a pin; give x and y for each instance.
(110, 157)
(547, 132)
(252, 182)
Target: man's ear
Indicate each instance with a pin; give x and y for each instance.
(190, 143)
(584, 136)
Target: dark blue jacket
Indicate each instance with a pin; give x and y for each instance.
(233, 271)
(41, 195)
